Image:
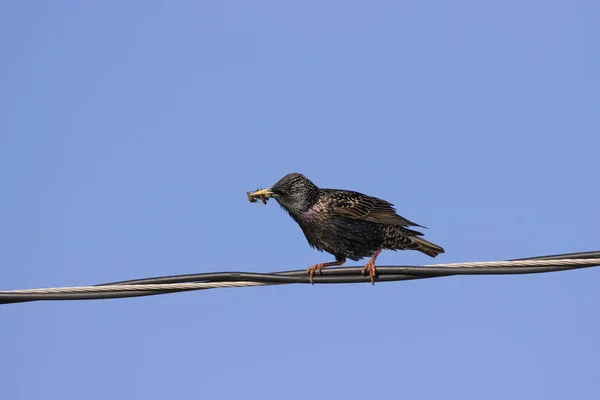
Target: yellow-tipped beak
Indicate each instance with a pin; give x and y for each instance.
(262, 192)
(262, 195)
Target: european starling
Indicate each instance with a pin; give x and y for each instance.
(344, 223)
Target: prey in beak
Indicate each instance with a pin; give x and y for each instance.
(262, 195)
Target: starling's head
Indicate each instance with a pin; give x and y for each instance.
(294, 192)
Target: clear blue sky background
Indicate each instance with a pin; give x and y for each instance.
(130, 132)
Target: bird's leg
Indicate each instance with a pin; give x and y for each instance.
(318, 267)
(371, 267)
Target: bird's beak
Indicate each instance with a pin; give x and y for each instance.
(262, 192)
(262, 195)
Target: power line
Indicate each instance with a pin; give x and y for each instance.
(181, 283)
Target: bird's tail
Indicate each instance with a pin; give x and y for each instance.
(426, 247)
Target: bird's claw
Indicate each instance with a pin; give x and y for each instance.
(372, 271)
(311, 271)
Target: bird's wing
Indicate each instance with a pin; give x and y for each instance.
(356, 205)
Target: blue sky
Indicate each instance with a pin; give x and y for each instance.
(130, 132)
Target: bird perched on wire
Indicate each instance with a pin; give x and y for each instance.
(344, 223)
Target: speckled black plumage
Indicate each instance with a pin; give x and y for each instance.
(346, 223)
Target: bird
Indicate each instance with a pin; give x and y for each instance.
(345, 223)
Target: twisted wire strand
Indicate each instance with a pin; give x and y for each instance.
(519, 263)
(149, 287)
(180, 283)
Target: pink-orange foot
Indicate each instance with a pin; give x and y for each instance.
(318, 267)
(311, 271)
(370, 266)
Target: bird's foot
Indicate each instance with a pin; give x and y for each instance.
(370, 267)
(318, 267)
(315, 268)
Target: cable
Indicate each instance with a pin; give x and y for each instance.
(181, 283)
